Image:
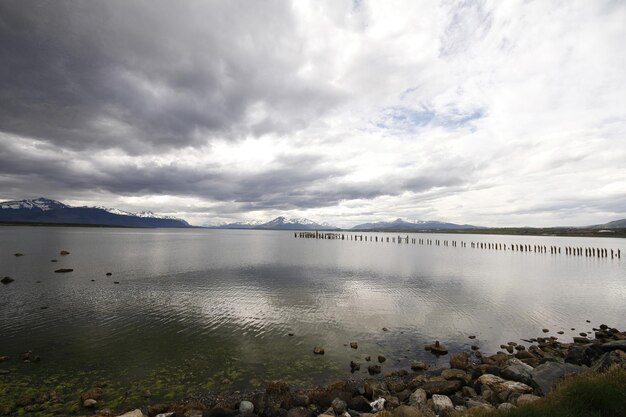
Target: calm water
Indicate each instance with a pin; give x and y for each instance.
(195, 307)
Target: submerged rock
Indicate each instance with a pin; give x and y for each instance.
(459, 360)
(437, 348)
(419, 366)
(374, 369)
(6, 280)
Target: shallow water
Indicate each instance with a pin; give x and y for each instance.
(196, 307)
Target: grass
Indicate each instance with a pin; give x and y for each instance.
(584, 395)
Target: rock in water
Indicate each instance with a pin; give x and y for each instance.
(419, 366)
(64, 252)
(354, 345)
(7, 280)
(64, 270)
(437, 348)
(318, 350)
(373, 369)
(381, 358)
(459, 361)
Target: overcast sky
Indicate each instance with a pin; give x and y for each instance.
(489, 113)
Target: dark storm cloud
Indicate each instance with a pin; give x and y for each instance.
(140, 75)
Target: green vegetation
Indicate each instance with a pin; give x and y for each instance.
(584, 395)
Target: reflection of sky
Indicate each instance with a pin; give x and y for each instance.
(192, 292)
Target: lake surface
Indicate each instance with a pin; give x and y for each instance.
(194, 308)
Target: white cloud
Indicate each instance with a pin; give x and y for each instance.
(491, 113)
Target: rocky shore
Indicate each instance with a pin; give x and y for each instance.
(517, 375)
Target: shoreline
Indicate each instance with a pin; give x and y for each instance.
(516, 375)
(497, 231)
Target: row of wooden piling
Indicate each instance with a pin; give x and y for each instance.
(594, 252)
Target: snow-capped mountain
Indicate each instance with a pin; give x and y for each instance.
(39, 204)
(144, 214)
(43, 210)
(400, 224)
(279, 223)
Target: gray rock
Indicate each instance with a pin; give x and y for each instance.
(418, 397)
(339, 406)
(546, 375)
(506, 407)
(459, 361)
(614, 345)
(525, 399)
(441, 387)
(360, 403)
(498, 385)
(246, 407)
(89, 403)
(441, 403)
(170, 414)
(419, 366)
(373, 369)
(298, 412)
(518, 371)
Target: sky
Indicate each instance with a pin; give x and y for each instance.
(482, 112)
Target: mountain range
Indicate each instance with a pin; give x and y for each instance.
(279, 223)
(400, 224)
(617, 224)
(44, 210)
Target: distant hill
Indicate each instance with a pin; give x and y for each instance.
(279, 223)
(43, 210)
(617, 224)
(400, 224)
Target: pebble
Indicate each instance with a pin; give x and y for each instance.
(318, 350)
(354, 345)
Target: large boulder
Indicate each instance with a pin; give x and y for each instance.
(516, 370)
(442, 404)
(614, 345)
(545, 376)
(441, 387)
(419, 397)
(498, 385)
